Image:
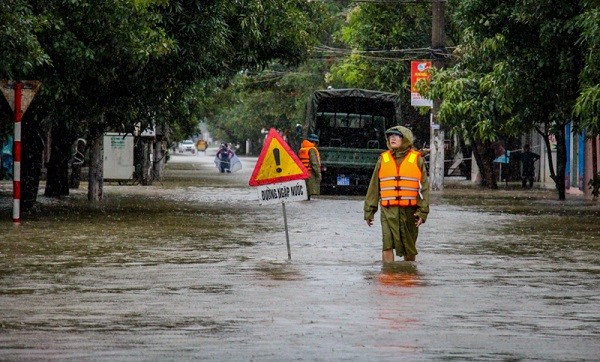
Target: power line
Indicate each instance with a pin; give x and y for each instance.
(386, 54)
(326, 48)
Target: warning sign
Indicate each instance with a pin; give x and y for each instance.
(277, 163)
(28, 90)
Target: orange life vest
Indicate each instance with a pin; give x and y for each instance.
(304, 155)
(400, 185)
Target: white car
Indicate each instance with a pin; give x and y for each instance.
(186, 146)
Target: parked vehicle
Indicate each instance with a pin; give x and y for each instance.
(351, 126)
(186, 146)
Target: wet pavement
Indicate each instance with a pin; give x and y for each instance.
(194, 268)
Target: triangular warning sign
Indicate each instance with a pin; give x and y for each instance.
(277, 162)
(28, 90)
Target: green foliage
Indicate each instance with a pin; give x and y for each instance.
(587, 108)
(474, 105)
(516, 67)
(379, 36)
(523, 62)
(97, 50)
(21, 50)
(110, 65)
(275, 97)
(215, 41)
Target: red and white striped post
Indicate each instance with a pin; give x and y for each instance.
(19, 95)
(17, 156)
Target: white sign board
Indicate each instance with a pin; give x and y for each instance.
(282, 192)
(118, 156)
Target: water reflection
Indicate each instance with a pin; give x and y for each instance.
(398, 306)
(401, 274)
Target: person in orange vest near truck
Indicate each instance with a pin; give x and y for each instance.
(309, 155)
(401, 187)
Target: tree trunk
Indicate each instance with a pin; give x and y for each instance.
(57, 179)
(142, 158)
(31, 162)
(465, 167)
(546, 137)
(478, 161)
(159, 161)
(147, 165)
(561, 162)
(138, 159)
(96, 176)
(486, 154)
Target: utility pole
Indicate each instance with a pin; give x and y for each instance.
(438, 46)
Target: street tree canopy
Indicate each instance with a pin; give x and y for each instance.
(587, 107)
(108, 65)
(519, 65)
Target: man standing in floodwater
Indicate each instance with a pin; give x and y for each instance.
(401, 186)
(527, 159)
(309, 155)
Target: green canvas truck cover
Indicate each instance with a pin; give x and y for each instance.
(351, 100)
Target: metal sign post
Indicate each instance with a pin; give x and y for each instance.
(283, 192)
(279, 176)
(287, 235)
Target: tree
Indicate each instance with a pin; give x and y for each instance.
(275, 98)
(272, 96)
(21, 50)
(535, 46)
(587, 108)
(90, 46)
(473, 106)
(381, 40)
(109, 65)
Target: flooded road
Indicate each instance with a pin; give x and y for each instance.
(194, 268)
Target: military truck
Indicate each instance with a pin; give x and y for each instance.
(351, 126)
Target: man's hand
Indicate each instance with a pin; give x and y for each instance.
(418, 221)
(370, 222)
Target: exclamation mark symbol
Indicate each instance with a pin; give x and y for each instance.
(277, 159)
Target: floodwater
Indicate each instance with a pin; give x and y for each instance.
(194, 268)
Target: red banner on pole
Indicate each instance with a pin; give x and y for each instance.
(419, 70)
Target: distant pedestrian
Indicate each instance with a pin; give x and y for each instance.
(527, 159)
(309, 155)
(223, 158)
(400, 186)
